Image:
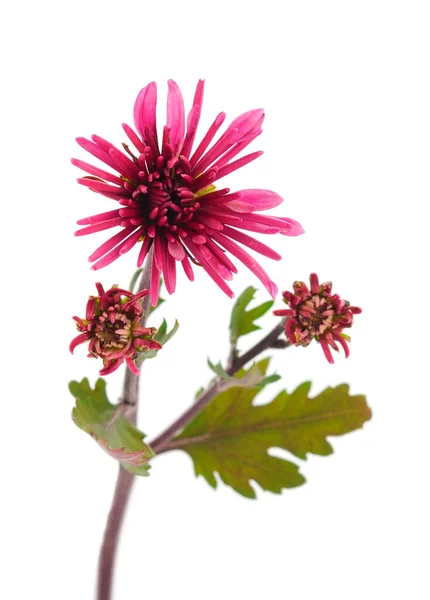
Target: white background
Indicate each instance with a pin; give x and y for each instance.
(346, 90)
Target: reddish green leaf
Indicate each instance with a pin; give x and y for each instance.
(231, 436)
(95, 415)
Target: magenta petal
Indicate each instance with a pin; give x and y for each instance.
(248, 124)
(146, 245)
(158, 253)
(292, 227)
(342, 342)
(175, 117)
(155, 282)
(124, 164)
(169, 272)
(207, 139)
(221, 255)
(176, 250)
(96, 151)
(326, 350)
(139, 145)
(111, 243)
(131, 241)
(101, 186)
(111, 366)
(193, 119)
(252, 243)
(225, 167)
(107, 259)
(96, 171)
(132, 366)
(208, 267)
(79, 339)
(249, 261)
(255, 200)
(228, 138)
(100, 218)
(99, 227)
(188, 270)
(232, 219)
(290, 330)
(144, 115)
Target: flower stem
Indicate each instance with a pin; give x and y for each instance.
(160, 443)
(125, 480)
(123, 488)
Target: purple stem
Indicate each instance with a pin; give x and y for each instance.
(125, 480)
(160, 444)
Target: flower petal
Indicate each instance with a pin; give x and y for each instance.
(291, 227)
(207, 139)
(248, 124)
(251, 242)
(144, 115)
(193, 119)
(175, 117)
(255, 200)
(79, 339)
(249, 261)
(176, 249)
(96, 171)
(225, 167)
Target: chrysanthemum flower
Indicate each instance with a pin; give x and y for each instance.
(317, 314)
(167, 199)
(112, 328)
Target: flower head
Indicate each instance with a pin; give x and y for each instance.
(112, 328)
(166, 197)
(317, 314)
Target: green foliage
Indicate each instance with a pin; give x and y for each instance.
(95, 415)
(231, 436)
(252, 378)
(162, 336)
(134, 279)
(219, 370)
(242, 320)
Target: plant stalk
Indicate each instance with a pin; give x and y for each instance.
(125, 480)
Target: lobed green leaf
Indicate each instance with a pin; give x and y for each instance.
(242, 320)
(162, 336)
(95, 415)
(232, 436)
(219, 370)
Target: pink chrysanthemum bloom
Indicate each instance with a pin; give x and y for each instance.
(166, 195)
(112, 328)
(317, 314)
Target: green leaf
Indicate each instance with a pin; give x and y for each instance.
(219, 370)
(134, 279)
(162, 336)
(231, 436)
(267, 380)
(242, 320)
(251, 378)
(95, 415)
(199, 393)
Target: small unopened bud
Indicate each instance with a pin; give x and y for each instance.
(318, 314)
(112, 328)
